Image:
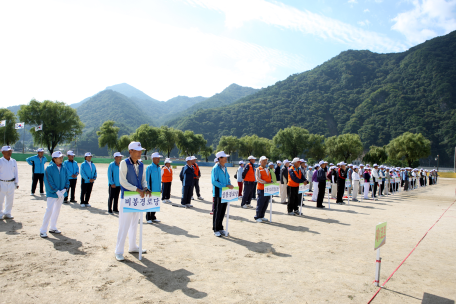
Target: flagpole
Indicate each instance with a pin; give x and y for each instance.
(23, 138)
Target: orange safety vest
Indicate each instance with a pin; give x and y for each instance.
(167, 174)
(250, 176)
(298, 174)
(196, 170)
(265, 175)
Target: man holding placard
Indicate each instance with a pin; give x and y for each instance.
(132, 178)
(220, 178)
(263, 177)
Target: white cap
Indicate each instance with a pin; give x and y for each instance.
(295, 160)
(302, 161)
(168, 161)
(286, 161)
(271, 164)
(279, 162)
(188, 158)
(221, 154)
(251, 157)
(263, 158)
(216, 160)
(156, 154)
(70, 152)
(40, 150)
(325, 162)
(331, 164)
(57, 154)
(241, 162)
(343, 163)
(361, 165)
(117, 154)
(193, 157)
(355, 167)
(88, 154)
(6, 148)
(310, 167)
(316, 165)
(375, 165)
(135, 145)
(350, 165)
(321, 163)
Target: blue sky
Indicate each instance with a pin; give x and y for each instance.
(69, 50)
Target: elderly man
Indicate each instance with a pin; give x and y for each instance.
(88, 177)
(154, 182)
(240, 181)
(114, 183)
(309, 177)
(132, 176)
(248, 175)
(37, 162)
(341, 177)
(277, 169)
(57, 184)
(220, 179)
(355, 182)
(361, 172)
(73, 171)
(349, 176)
(315, 183)
(196, 178)
(284, 190)
(188, 175)
(9, 181)
(321, 177)
(295, 177)
(264, 177)
(376, 178)
(167, 179)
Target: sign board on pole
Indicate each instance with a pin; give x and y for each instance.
(230, 195)
(348, 183)
(380, 235)
(303, 188)
(328, 185)
(271, 189)
(133, 202)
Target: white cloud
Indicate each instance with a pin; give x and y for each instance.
(364, 23)
(366, 10)
(427, 19)
(352, 1)
(238, 12)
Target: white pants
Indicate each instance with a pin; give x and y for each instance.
(315, 192)
(360, 188)
(355, 189)
(6, 190)
(128, 224)
(52, 213)
(283, 193)
(366, 190)
(333, 190)
(386, 190)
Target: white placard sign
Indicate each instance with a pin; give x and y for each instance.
(303, 188)
(132, 202)
(230, 195)
(271, 189)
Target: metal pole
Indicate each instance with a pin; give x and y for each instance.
(227, 219)
(23, 138)
(140, 234)
(377, 268)
(270, 209)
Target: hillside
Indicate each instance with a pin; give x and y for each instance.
(224, 98)
(110, 105)
(378, 96)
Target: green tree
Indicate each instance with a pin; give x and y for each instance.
(61, 123)
(206, 152)
(123, 142)
(167, 139)
(254, 145)
(291, 141)
(12, 135)
(346, 146)
(315, 147)
(229, 144)
(148, 136)
(189, 143)
(409, 147)
(376, 155)
(108, 136)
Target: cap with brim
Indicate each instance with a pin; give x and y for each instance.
(241, 162)
(168, 161)
(188, 158)
(302, 161)
(263, 158)
(271, 164)
(57, 154)
(375, 165)
(279, 162)
(193, 157)
(156, 155)
(135, 145)
(361, 165)
(6, 148)
(251, 157)
(215, 160)
(295, 160)
(117, 154)
(40, 150)
(87, 154)
(221, 154)
(286, 161)
(70, 153)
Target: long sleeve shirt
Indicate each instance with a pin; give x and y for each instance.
(239, 174)
(37, 163)
(277, 172)
(123, 176)
(258, 175)
(220, 179)
(113, 174)
(355, 176)
(8, 170)
(321, 175)
(375, 175)
(284, 175)
(72, 168)
(315, 176)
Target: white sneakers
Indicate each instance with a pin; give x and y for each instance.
(259, 220)
(221, 233)
(188, 206)
(119, 257)
(247, 206)
(200, 198)
(8, 217)
(149, 222)
(137, 250)
(43, 235)
(83, 205)
(32, 194)
(56, 231)
(217, 234)
(87, 205)
(265, 219)
(156, 221)
(291, 213)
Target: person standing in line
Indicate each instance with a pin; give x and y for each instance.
(264, 177)
(154, 182)
(213, 198)
(367, 177)
(9, 182)
(255, 166)
(321, 178)
(277, 170)
(88, 177)
(376, 179)
(387, 180)
(240, 181)
(37, 162)
(349, 176)
(303, 167)
(406, 178)
(332, 175)
(383, 179)
(355, 183)
(114, 183)
(341, 177)
(57, 182)
(132, 176)
(196, 179)
(360, 173)
(220, 178)
(248, 175)
(309, 178)
(315, 183)
(295, 177)
(284, 191)
(273, 176)
(187, 182)
(73, 171)
(167, 179)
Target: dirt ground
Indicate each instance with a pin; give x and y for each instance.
(325, 256)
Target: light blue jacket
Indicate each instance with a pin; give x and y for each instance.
(72, 168)
(38, 166)
(239, 174)
(86, 173)
(55, 180)
(113, 174)
(153, 177)
(219, 180)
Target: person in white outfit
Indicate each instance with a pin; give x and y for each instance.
(132, 177)
(284, 182)
(57, 183)
(315, 183)
(355, 183)
(9, 181)
(309, 178)
(239, 178)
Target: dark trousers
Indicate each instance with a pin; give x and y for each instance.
(166, 191)
(240, 184)
(196, 186)
(262, 204)
(35, 178)
(382, 187)
(406, 185)
(113, 196)
(340, 190)
(254, 190)
(249, 187)
(186, 194)
(375, 188)
(293, 201)
(86, 190)
(72, 190)
(150, 216)
(421, 182)
(321, 193)
(219, 214)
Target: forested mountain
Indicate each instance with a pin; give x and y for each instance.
(226, 97)
(378, 96)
